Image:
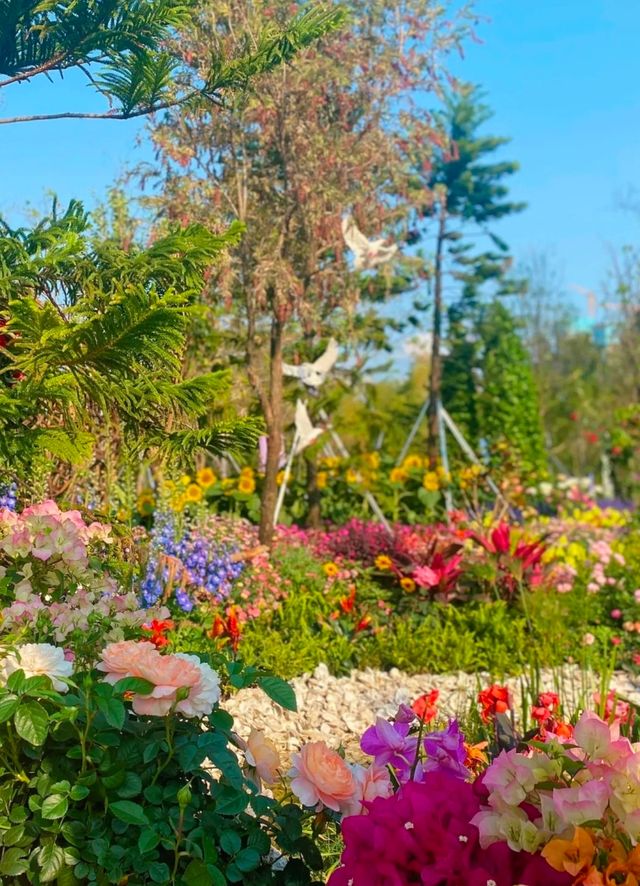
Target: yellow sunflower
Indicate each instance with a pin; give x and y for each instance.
(412, 461)
(431, 482)
(398, 475)
(246, 484)
(145, 503)
(206, 478)
(372, 459)
(193, 493)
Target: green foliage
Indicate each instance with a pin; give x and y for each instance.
(90, 793)
(125, 49)
(97, 333)
(488, 385)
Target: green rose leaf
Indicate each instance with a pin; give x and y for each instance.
(280, 691)
(231, 842)
(133, 684)
(32, 722)
(147, 841)
(54, 806)
(13, 863)
(247, 860)
(79, 792)
(8, 706)
(130, 813)
(198, 873)
(50, 862)
(230, 801)
(159, 872)
(113, 711)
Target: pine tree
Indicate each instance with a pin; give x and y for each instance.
(93, 334)
(468, 194)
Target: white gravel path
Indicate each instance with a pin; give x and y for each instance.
(339, 709)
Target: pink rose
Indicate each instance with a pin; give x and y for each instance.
(168, 674)
(320, 777)
(371, 782)
(124, 659)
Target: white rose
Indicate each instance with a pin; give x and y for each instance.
(37, 659)
(205, 694)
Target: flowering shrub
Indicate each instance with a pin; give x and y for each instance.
(128, 770)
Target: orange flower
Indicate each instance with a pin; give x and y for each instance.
(407, 584)
(573, 856)
(262, 756)
(383, 562)
(320, 777)
(494, 700)
(476, 760)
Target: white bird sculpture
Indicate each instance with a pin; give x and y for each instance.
(306, 434)
(314, 374)
(368, 253)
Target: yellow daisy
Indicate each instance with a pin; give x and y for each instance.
(407, 584)
(321, 479)
(383, 562)
(331, 569)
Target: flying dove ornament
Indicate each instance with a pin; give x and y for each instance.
(368, 253)
(313, 375)
(306, 434)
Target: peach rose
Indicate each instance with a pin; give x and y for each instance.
(371, 782)
(125, 659)
(168, 674)
(320, 777)
(262, 756)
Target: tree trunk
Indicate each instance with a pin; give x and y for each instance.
(274, 422)
(314, 512)
(435, 381)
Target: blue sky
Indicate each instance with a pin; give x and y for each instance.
(563, 77)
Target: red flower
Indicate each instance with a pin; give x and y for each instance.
(347, 603)
(591, 437)
(158, 630)
(494, 700)
(425, 707)
(546, 705)
(228, 629)
(363, 624)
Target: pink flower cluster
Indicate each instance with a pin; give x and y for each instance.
(533, 796)
(48, 534)
(181, 682)
(602, 555)
(117, 611)
(423, 835)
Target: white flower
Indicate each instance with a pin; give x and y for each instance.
(37, 659)
(205, 694)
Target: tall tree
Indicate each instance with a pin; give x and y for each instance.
(312, 143)
(468, 193)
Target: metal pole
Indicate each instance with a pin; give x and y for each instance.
(368, 496)
(444, 455)
(468, 451)
(414, 430)
(283, 486)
